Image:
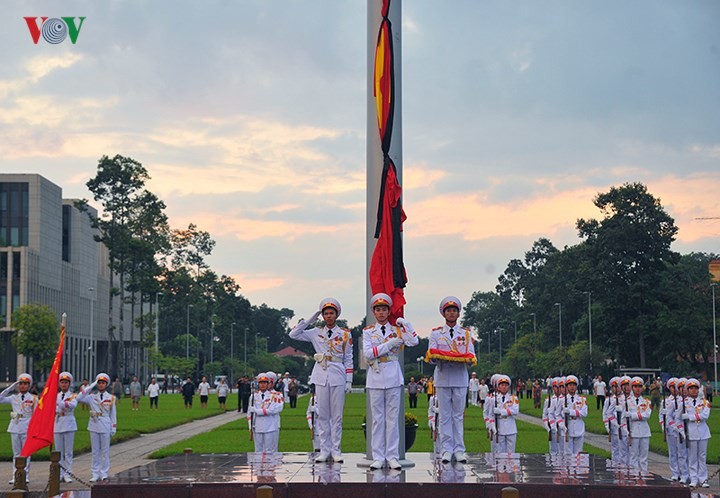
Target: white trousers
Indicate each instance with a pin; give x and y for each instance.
(474, 398)
(561, 443)
(100, 444)
(623, 450)
(64, 442)
(672, 442)
(639, 454)
(574, 445)
(330, 401)
(553, 442)
(683, 461)
(266, 442)
(614, 446)
(697, 461)
(452, 407)
(18, 441)
(385, 406)
(506, 443)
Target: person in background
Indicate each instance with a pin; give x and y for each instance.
(188, 390)
(709, 392)
(244, 391)
(430, 388)
(117, 390)
(83, 385)
(536, 394)
(65, 425)
(222, 393)
(204, 392)
(483, 392)
(599, 390)
(412, 390)
(153, 391)
(135, 393)
(473, 388)
(293, 391)
(311, 415)
(265, 408)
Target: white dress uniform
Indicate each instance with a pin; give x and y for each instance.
(451, 384)
(578, 410)
(65, 428)
(434, 421)
(624, 443)
(548, 417)
(384, 384)
(639, 411)
(666, 418)
(683, 466)
(507, 407)
(332, 374)
(609, 414)
(489, 416)
(311, 415)
(560, 419)
(266, 407)
(474, 388)
(22, 408)
(101, 426)
(697, 412)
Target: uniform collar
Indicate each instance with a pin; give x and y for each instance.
(456, 328)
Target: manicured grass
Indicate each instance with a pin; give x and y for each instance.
(130, 423)
(295, 435)
(594, 424)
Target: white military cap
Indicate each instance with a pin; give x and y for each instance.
(615, 381)
(681, 382)
(624, 380)
(272, 377)
(102, 376)
(493, 379)
(330, 302)
(637, 381)
(671, 382)
(65, 376)
(450, 301)
(693, 382)
(25, 377)
(503, 378)
(571, 379)
(381, 299)
(263, 377)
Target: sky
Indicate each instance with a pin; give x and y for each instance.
(250, 117)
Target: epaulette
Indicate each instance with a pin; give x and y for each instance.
(438, 328)
(346, 330)
(369, 327)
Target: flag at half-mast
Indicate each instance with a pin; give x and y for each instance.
(387, 270)
(42, 424)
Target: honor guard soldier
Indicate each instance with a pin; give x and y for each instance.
(332, 374)
(489, 414)
(548, 416)
(101, 425)
(311, 415)
(506, 408)
(681, 426)
(667, 425)
(609, 412)
(474, 387)
(65, 425)
(382, 344)
(638, 412)
(560, 415)
(434, 424)
(575, 409)
(451, 348)
(22, 407)
(626, 440)
(696, 413)
(264, 411)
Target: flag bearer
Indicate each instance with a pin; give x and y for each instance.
(101, 425)
(332, 374)
(637, 415)
(506, 410)
(22, 405)
(576, 410)
(680, 424)
(560, 415)
(548, 416)
(668, 426)
(265, 407)
(610, 420)
(65, 425)
(434, 424)
(624, 443)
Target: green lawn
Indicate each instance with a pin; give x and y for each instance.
(594, 423)
(295, 435)
(130, 423)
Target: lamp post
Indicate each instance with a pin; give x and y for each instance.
(559, 321)
(534, 323)
(157, 323)
(187, 331)
(232, 350)
(589, 295)
(91, 349)
(212, 338)
(419, 362)
(515, 326)
(715, 344)
(245, 351)
(257, 338)
(499, 332)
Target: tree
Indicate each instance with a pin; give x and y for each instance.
(36, 334)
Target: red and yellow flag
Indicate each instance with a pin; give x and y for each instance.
(42, 424)
(387, 269)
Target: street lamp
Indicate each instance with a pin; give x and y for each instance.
(559, 321)
(257, 338)
(534, 323)
(499, 332)
(515, 326)
(715, 344)
(187, 331)
(157, 323)
(245, 351)
(90, 348)
(589, 295)
(212, 337)
(420, 364)
(232, 350)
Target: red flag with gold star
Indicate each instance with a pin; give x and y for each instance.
(41, 429)
(387, 269)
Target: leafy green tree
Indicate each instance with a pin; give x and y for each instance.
(36, 334)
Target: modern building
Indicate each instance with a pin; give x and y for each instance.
(48, 255)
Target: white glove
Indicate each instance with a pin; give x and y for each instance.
(663, 411)
(314, 317)
(251, 409)
(431, 424)
(89, 388)
(566, 411)
(348, 387)
(499, 411)
(561, 427)
(309, 423)
(395, 343)
(627, 415)
(113, 431)
(607, 427)
(547, 427)
(405, 324)
(686, 416)
(9, 389)
(318, 357)
(662, 427)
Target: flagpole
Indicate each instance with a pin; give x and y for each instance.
(375, 163)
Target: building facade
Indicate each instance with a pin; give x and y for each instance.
(48, 255)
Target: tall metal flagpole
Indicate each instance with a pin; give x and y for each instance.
(375, 164)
